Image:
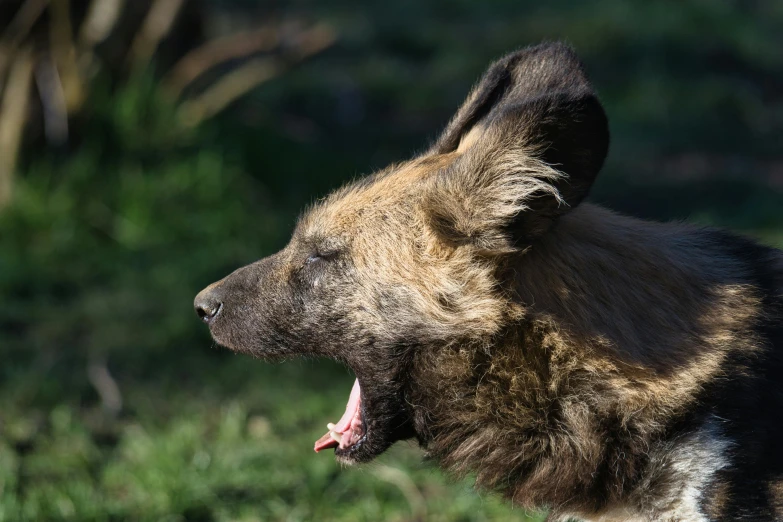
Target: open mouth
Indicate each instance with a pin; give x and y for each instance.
(350, 431)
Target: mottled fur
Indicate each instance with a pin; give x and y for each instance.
(600, 366)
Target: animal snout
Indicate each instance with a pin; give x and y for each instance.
(208, 304)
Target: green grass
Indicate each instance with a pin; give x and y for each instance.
(218, 437)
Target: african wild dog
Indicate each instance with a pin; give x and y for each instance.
(601, 366)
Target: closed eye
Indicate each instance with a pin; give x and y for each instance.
(321, 256)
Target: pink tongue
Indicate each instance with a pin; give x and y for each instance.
(345, 421)
(350, 408)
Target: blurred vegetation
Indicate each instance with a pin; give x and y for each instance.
(115, 405)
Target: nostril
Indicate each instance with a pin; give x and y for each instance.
(208, 303)
(208, 311)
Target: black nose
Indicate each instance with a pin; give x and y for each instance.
(207, 305)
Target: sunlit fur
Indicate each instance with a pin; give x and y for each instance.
(568, 357)
(554, 372)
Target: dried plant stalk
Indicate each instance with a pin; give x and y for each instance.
(157, 24)
(17, 31)
(251, 74)
(23, 21)
(55, 110)
(106, 387)
(63, 52)
(227, 89)
(102, 17)
(13, 116)
(218, 51)
(313, 41)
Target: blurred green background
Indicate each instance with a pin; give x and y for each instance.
(149, 147)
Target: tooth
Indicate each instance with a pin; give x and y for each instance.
(336, 436)
(330, 427)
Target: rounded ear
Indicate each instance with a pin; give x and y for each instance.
(530, 139)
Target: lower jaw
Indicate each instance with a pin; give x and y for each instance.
(353, 453)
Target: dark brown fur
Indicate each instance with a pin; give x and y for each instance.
(571, 358)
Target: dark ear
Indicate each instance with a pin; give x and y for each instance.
(530, 139)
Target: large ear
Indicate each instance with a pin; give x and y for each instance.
(529, 141)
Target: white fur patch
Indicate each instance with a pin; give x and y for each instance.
(692, 462)
(696, 462)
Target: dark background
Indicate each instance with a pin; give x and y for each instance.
(149, 152)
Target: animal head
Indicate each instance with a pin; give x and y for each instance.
(412, 258)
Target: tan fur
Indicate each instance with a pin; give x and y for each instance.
(618, 311)
(665, 322)
(776, 493)
(566, 356)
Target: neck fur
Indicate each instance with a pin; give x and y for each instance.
(623, 321)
